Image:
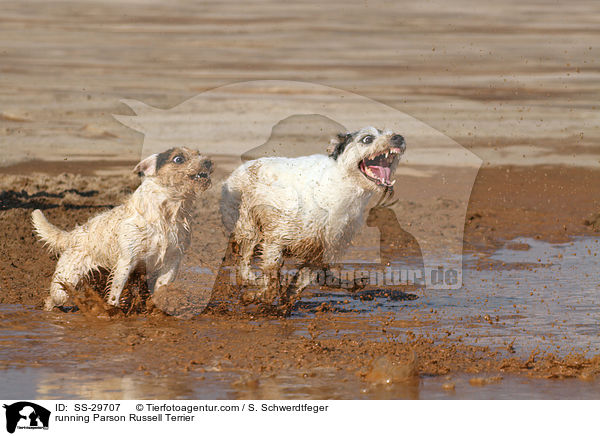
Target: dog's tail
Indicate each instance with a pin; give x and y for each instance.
(55, 238)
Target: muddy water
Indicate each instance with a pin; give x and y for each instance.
(551, 291)
(532, 294)
(526, 298)
(47, 384)
(529, 296)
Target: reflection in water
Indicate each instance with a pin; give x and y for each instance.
(324, 384)
(126, 387)
(41, 383)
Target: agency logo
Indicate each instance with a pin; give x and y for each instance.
(26, 415)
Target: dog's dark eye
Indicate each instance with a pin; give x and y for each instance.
(367, 139)
(179, 159)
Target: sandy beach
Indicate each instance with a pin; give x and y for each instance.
(516, 83)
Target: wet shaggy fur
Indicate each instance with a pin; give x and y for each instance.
(308, 207)
(150, 228)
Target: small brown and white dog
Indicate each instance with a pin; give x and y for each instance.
(151, 228)
(308, 207)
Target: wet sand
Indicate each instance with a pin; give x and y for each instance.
(481, 339)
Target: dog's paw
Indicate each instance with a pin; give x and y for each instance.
(114, 302)
(262, 297)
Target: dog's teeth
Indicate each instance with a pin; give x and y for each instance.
(387, 154)
(393, 183)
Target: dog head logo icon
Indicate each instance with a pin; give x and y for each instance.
(26, 415)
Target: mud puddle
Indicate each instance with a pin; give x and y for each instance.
(526, 300)
(528, 296)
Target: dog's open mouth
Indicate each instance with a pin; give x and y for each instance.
(378, 168)
(200, 176)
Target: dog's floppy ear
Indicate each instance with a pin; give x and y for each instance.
(338, 144)
(147, 167)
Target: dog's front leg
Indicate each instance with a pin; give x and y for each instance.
(272, 260)
(118, 280)
(166, 274)
(246, 253)
(270, 286)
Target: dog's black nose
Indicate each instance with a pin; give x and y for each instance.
(398, 141)
(207, 165)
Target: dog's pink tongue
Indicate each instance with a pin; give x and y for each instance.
(381, 172)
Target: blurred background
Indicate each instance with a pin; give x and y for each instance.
(514, 81)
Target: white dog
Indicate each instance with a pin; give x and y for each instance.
(308, 207)
(150, 228)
